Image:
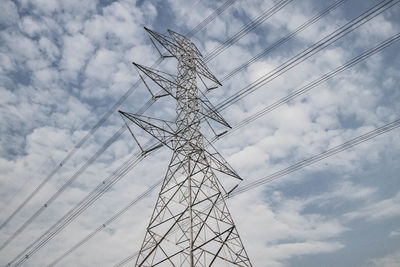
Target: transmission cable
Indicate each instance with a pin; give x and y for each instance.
(210, 18)
(375, 11)
(317, 81)
(63, 187)
(76, 211)
(241, 124)
(246, 29)
(326, 154)
(308, 52)
(108, 222)
(72, 152)
(284, 39)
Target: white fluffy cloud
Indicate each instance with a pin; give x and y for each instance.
(380, 210)
(63, 64)
(76, 52)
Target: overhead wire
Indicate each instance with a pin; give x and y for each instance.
(247, 28)
(19, 189)
(319, 80)
(375, 11)
(284, 39)
(210, 17)
(316, 158)
(76, 211)
(63, 187)
(72, 152)
(127, 259)
(308, 52)
(108, 222)
(241, 124)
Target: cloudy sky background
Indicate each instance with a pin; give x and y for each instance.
(65, 63)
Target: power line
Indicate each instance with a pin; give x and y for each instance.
(76, 211)
(318, 81)
(71, 153)
(308, 52)
(246, 29)
(241, 124)
(127, 259)
(63, 187)
(210, 17)
(105, 224)
(284, 39)
(326, 154)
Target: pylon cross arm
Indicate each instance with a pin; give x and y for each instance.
(163, 131)
(174, 45)
(202, 69)
(165, 41)
(207, 110)
(211, 112)
(167, 85)
(166, 134)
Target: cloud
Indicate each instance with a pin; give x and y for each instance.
(48, 48)
(279, 228)
(76, 52)
(389, 260)
(394, 233)
(8, 13)
(284, 251)
(63, 64)
(380, 210)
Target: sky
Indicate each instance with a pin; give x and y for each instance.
(64, 64)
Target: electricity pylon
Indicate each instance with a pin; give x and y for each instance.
(191, 224)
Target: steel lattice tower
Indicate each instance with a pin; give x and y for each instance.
(191, 224)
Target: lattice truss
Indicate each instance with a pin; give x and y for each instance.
(191, 224)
